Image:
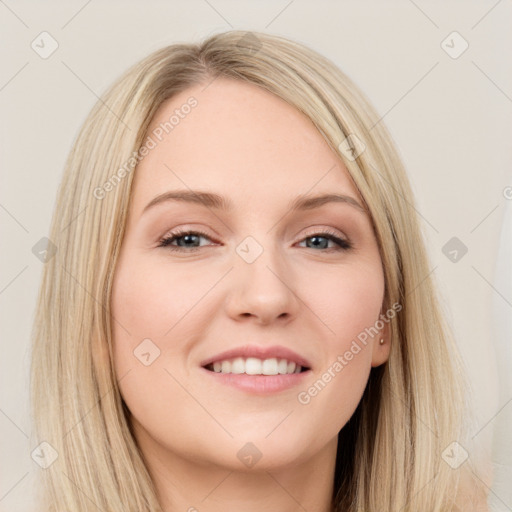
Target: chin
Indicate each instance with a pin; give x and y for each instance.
(253, 458)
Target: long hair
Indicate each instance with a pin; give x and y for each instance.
(392, 452)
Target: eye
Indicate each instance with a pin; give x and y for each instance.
(318, 241)
(185, 239)
(189, 241)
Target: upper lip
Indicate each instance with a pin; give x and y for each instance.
(276, 351)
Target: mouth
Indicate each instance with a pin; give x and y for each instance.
(258, 370)
(257, 360)
(256, 366)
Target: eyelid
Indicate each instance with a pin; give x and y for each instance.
(189, 228)
(332, 231)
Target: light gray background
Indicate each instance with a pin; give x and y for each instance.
(451, 119)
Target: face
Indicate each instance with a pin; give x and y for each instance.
(197, 278)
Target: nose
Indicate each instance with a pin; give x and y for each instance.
(262, 291)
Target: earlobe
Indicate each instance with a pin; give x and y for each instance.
(380, 353)
(381, 347)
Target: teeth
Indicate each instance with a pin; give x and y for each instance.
(282, 366)
(269, 367)
(238, 365)
(255, 366)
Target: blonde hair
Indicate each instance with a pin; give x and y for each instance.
(414, 406)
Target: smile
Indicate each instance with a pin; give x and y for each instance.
(256, 366)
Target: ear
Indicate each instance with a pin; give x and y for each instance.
(380, 352)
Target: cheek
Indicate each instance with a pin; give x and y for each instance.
(347, 301)
(154, 325)
(146, 304)
(149, 301)
(140, 315)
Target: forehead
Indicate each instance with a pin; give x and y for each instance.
(240, 141)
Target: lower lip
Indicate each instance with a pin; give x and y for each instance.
(259, 384)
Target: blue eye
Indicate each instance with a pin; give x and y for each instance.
(188, 237)
(343, 245)
(187, 241)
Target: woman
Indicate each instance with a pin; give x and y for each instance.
(240, 312)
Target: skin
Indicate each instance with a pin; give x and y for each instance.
(260, 153)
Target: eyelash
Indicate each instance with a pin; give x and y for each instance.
(343, 245)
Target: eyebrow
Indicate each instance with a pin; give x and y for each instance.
(217, 202)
